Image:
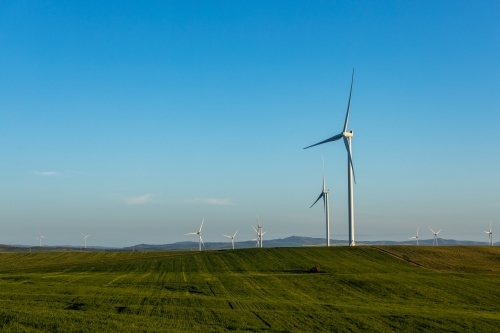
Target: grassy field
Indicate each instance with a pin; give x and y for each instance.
(365, 289)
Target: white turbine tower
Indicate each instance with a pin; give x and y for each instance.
(232, 237)
(84, 240)
(259, 233)
(326, 206)
(416, 237)
(200, 240)
(435, 236)
(40, 238)
(490, 235)
(347, 138)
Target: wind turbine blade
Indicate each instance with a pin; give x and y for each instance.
(236, 233)
(348, 103)
(438, 232)
(322, 194)
(202, 241)
(226, 235)
(191, 233)
(333, 138)
(201, 226)
(350, 157)
(254, 229)
(263, 233)
(432, 230)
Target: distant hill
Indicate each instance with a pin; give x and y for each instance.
(292, 241)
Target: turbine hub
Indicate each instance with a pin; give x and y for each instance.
(348, 134)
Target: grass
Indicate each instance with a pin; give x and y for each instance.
(376, 289)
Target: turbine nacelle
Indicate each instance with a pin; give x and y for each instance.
(348, 134)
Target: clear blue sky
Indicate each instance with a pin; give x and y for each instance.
(133, 120)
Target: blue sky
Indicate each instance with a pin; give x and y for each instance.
(131, 121)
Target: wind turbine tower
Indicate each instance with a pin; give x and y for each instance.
(416, 237)
(259, 233)
(84, 240)
(258, 236)
(200, 240)
(351, 178)
(232, 237)
(40, 238)
(490, 235)
(435, 242)
(326, 206)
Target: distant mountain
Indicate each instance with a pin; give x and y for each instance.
(292, 241)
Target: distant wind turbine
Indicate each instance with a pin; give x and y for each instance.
(326, 206)
(40, 238)
(416, 237)
(200, 240)
(435, 242)
(259, 233)
(232, 237)
(258, 236)
(84, 240)
(347, 138)
(261, 238)
(490, 235)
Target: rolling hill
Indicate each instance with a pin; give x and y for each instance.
(369, 288)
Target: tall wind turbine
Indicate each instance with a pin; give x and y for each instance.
(84, 240)
(416, 237)
(200, 241)
(347, 138)
(326, 206)
(490, 235)
(435, 237)
(40, 238)
(232, 237)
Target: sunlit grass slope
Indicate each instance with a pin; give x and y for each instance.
(370, 289)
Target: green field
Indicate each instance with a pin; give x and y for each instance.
(365, 289)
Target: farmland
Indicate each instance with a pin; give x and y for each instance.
(377, 289)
